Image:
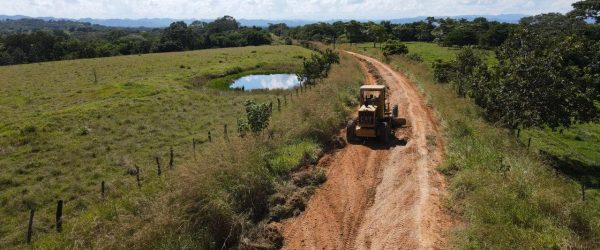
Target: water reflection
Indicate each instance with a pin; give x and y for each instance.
(275, 81)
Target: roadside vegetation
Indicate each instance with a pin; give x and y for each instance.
(235, 186)
(506, 193)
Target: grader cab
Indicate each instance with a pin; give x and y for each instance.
(375, 117)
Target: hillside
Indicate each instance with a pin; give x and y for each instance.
(70, 125)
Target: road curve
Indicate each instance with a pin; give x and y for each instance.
(380, 197)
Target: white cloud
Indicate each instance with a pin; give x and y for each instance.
(277, 9)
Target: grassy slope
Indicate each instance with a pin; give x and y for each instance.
(61, 134)
(507, 196)
(212, 198)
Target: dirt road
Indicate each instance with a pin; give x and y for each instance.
(379, 197)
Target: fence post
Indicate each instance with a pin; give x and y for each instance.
(529, 143)
(171, 158)
(137, 176)
(296, 91)
(582, 191)
(209, 137)
(225, 131)
(271, 107)
(95, 76)
(102, 189)
(278, 104)
(518, 132)
(59, 210)
(194, 145)
(158, 165)
(30, 226)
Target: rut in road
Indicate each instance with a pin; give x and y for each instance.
(376, 196)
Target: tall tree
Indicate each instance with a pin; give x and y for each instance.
(587, 9)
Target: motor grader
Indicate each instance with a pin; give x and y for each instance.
(375, 118)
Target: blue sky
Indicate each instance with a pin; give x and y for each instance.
(277, 9)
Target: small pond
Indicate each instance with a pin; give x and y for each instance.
(274, 81)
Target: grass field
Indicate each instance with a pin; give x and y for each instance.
(505, 195)
(431, 52)
(64, 131)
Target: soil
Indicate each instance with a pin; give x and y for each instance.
(380, 196)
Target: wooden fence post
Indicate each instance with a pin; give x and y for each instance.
(158, 165)
(171, 158)
(278, 104)
(95, 76)
(529, 143)
(194, 145)
(209, 137)
(59, 210)
(30, 226)
(518, 132)
(102, 189)
(583, 191)
(225, 131)
(137, 176)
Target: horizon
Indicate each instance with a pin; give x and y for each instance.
(277, 9)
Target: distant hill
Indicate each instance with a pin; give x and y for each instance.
(163, 22)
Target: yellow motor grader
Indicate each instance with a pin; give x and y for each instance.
(375, 117)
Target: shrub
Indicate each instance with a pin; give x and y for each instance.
(394, 47)
(442, 71)
(414, 57)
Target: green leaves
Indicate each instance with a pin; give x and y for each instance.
(394, 47)
(257, 118)
(318, 66)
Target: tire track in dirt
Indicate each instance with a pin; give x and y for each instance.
(378, 197)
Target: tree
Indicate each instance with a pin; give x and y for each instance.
(223, 24)
(587, 9)
(278, 29)
(376, 33)
(317, 67)
(495, 35)
(464, 66)
(545, 80)
(461, 36)
(443, 71)
(355, 32)
(176, 37)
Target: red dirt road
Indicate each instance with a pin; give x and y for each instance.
(380, 197)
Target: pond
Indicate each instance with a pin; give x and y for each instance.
(274, 81)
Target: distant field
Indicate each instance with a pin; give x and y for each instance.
(431, 52)
(64, 130)
(578, 146)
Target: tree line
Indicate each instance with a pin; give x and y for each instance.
(26, 43)
(548, 72)
(445, 31)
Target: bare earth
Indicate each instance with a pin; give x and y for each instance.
(379, 197)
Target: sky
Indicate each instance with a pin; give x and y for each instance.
(277, 9)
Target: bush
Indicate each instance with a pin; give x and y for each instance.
(414, 57)
(394, 47)
(442, 71)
